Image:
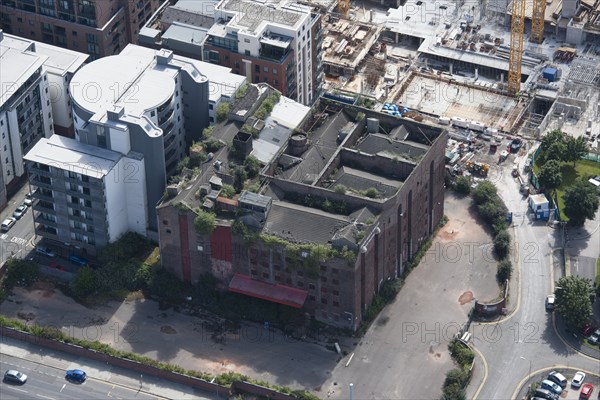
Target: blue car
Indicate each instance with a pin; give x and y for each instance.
(75, 259)
(76, 375)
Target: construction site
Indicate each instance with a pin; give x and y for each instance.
(496, 75)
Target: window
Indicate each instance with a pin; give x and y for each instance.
(274, 71)
(265, 275)
(246, 40)
(335, 292)
(165, 222)
(311, 286)
(247, 52)
(266, 69)
(323, 279)
(210, 106)
(300, 284)
(257, 68)
(237, 64)
(324, 301)
(299, 273)
(324, 268)
(312, 298)
(335, 282)
(336, 303)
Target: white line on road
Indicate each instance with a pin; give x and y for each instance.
(64, 386)
(20, 390)
(45, 397)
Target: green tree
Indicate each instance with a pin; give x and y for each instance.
(550, 176)
(504, 271)
(372, 193)
(228, 191)
(484, 192)
(502, 243)
(341, 189)
(252, 165)
(573, 301)
(492, 211)
(576, 149)
(222, 111)
(205, 222)
(555, 136)
(85, 282)
(581, 202)
(239, 178)
(556, 152)
(463, 185)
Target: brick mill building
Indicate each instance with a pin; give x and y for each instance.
(345, 200)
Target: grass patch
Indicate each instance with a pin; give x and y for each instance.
(598, 267)
(569, 175)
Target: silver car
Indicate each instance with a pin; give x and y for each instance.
(20, 211)
(15, 376)
(8, 223)
(578, 379)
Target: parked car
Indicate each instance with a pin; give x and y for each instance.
(515, 145)
(549, 385)
(558, 378)
(586, 391)
(587, 330)
(527, 165)
(75, 259)
(76, 375)
(545, 394)
(28, 199)
(550, 300)
(578, 379)
(15, 376)
(46, 251)
(20, 211)
(595, 337)
(8, 223)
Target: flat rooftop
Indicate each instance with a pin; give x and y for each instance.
(301, 224)
(348, 42)
(252, 14)
(17, 66)
(71, 155)
(360, 181)
(384, 145)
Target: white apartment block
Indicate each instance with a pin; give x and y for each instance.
(84, 195)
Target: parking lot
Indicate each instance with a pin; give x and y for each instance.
(569, 392)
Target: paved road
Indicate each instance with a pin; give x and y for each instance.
(527, 340)
(15, 241)
(46, 377)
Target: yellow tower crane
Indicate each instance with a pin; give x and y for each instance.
(537, 21)
(343, 7)
(517, 27)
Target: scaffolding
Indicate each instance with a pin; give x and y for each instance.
(517, 27)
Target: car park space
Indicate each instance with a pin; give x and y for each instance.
(575, 386)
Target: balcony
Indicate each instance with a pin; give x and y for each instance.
(38, 194)
(44, 221)
(168, 118)
(47, 232)
(42, 182)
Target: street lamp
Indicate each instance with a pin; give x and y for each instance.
(351, 386)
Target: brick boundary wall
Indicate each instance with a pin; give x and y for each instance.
(239, 386)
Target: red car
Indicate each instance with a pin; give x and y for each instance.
(586, 391)
(587, 330)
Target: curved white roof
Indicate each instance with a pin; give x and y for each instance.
(134, 82)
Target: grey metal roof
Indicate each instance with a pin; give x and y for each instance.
(378, 143)
(254, 199)
(360, 181)
(303, 224)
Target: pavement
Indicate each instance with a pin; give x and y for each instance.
(404, 354)
(526, 340)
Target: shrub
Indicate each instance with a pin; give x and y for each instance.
(211, 144)
(462, 354)
(504, 271)
(341, 189)
(502, 243)
(205, 222)
(84, 283)
(484, 192)
(239, 178)
(227, 191)
(222, 111)
(208, 132)
(242, 91)
(456, 376)
(372, 193)
(20, 272)
(252, 165)
(463, 185)
(491, 211)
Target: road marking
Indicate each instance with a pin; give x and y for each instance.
(45, 397)
(64, 386)
(108, 394)
(20, 390)
(18, 240)
(485, 373)
(3, 236)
